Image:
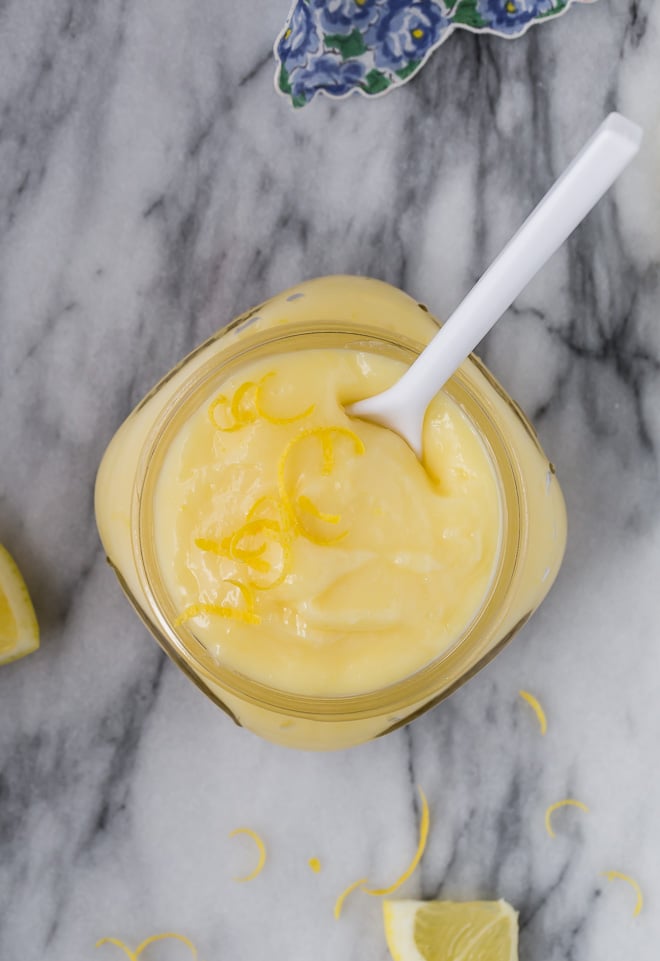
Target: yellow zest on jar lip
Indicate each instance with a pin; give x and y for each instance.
(271, 418)
(134, 955)
(536, 707)
(339, 903)
(262, 852)
(423, 837)
(618, 876)
(566, 802)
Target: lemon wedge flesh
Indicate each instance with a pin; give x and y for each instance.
(451, 931)
(19, 631)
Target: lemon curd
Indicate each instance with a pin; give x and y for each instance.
(303, 567)
(313, 551)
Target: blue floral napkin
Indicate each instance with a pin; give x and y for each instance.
(370, 46)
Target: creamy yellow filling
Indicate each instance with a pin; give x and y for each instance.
(312, 551)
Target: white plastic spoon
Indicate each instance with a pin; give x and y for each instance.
(402, 407)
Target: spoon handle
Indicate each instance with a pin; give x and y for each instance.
(577, 190)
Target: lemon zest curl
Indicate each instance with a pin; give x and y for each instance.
(262, 852)
(617, 875)
(134, 955)
(536, 707)
(566, 802)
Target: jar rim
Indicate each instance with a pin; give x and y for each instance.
(444, 671)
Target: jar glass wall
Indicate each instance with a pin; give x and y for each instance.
(335, 313)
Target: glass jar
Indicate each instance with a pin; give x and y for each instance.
(359, 314)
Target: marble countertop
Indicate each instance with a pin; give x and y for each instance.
(152, 186)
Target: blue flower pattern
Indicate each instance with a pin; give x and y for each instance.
(340, 46)
(345, 16)
(511, 17)
(329, 73)
(300, 39)
(405, 32)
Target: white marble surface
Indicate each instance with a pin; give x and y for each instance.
(152, 185)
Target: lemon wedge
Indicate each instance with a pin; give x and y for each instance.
(451, 931)
(19, 631)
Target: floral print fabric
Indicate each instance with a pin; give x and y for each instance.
(340, 46)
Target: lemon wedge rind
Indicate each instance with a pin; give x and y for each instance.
(19, 630)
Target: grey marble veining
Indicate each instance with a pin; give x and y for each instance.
(153, 186)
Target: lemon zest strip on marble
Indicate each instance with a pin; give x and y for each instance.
(262, 852)
(339, 903)
(134, 955)
(271, 418)
(617, 875)
(536, 707)
(423, 837)
(566, 802)
(315, 865)
(118, 944)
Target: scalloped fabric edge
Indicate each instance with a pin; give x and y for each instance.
(341, 47)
